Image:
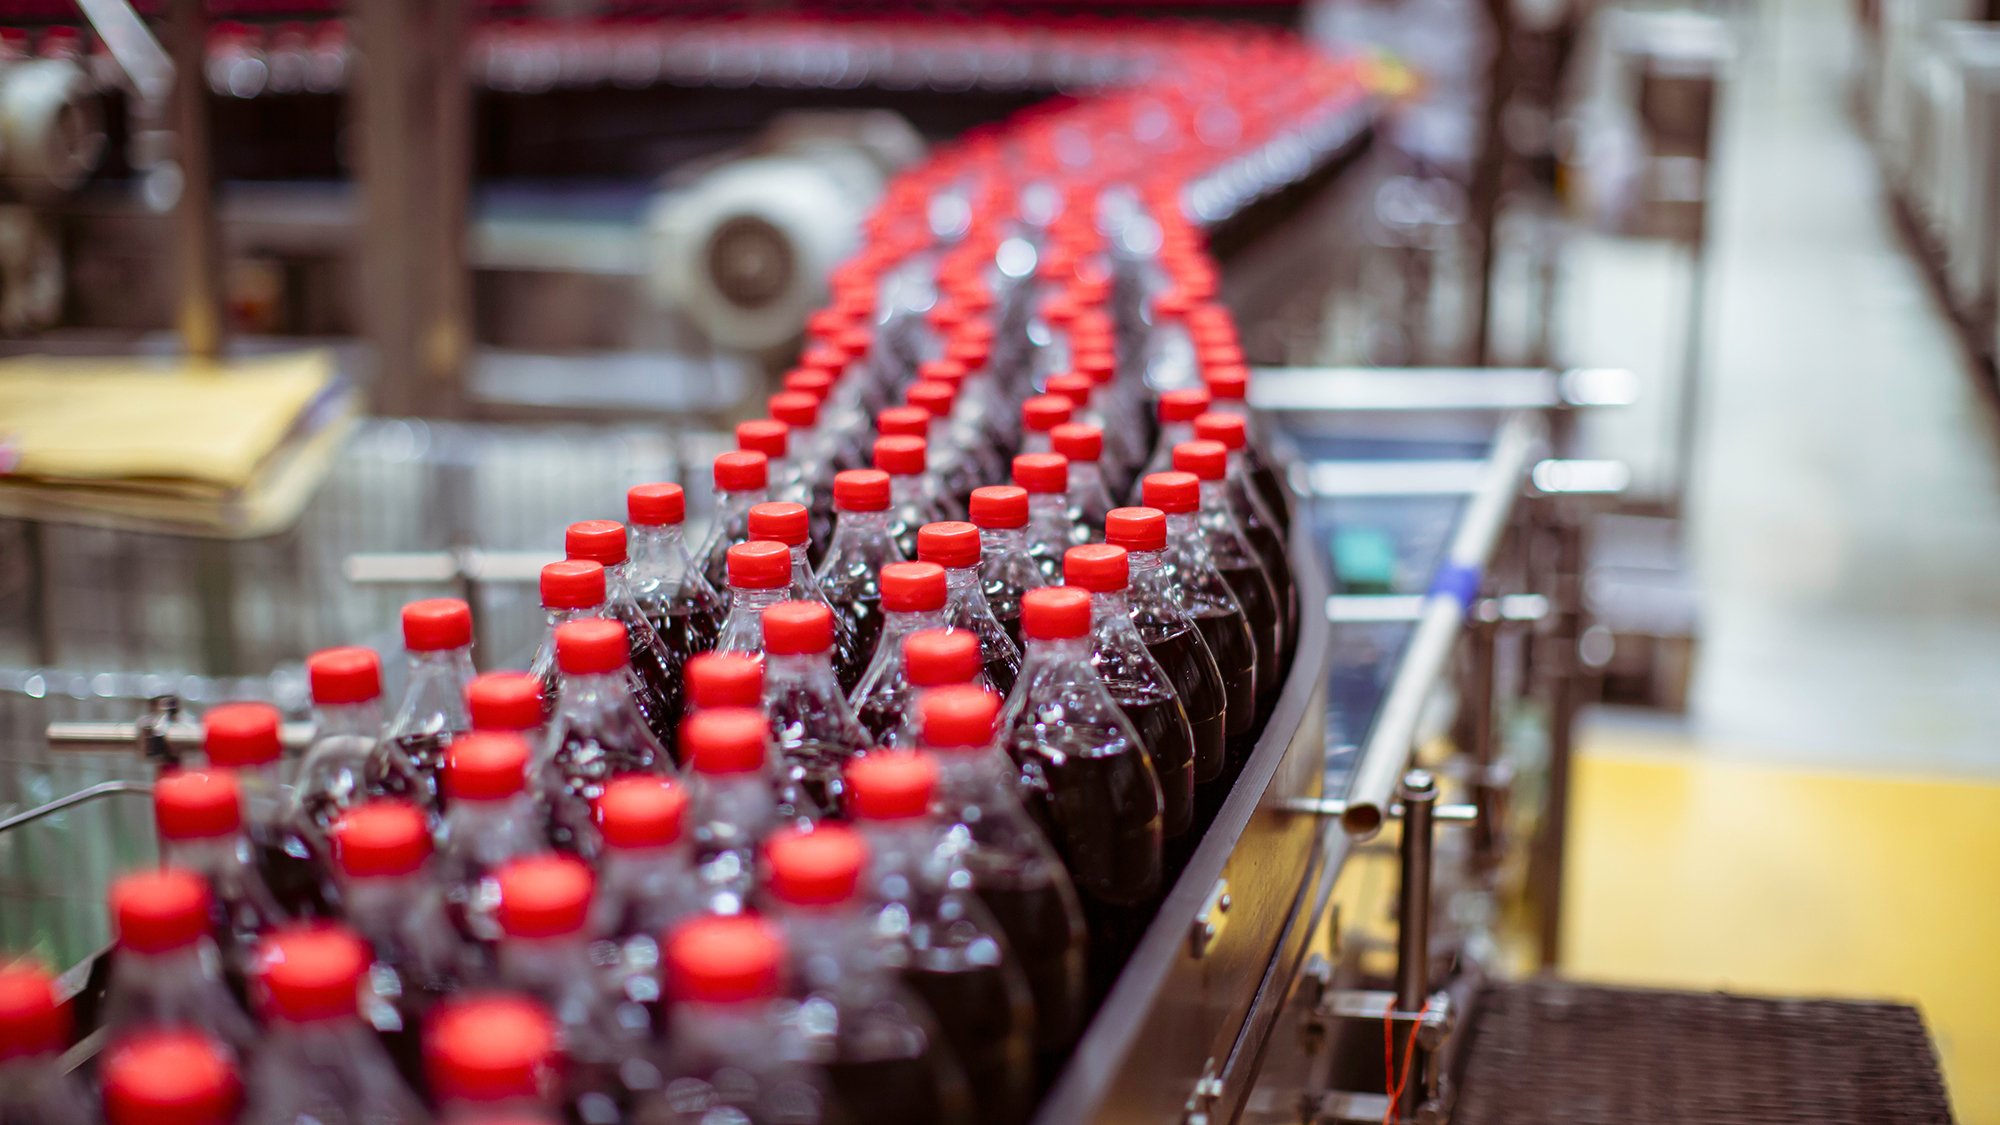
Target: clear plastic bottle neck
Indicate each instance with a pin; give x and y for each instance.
(961, 581)
(658, 556)
(798, 666)
(378, 906)
(1048, 510)
(211, 857)
(745, 600)
(901, 623)
(854, 530)
(1043, 652)
(363, 719)
(995, 541)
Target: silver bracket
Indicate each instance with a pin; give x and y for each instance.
(1335, 807)
(161, 735)
(1207, 1091)
(1210, 920)
(1433, 1027)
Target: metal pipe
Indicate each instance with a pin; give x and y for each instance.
(1477, 702)
(132, 46)
(180, 737)
(1386, 752)
(80, 797)
(197, 235)
(1413, 930)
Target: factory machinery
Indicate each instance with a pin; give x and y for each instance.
(1333, 948)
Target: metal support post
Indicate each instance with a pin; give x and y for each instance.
(1413, 938)
(197, 235)
(1565, 684)
(1482, 726)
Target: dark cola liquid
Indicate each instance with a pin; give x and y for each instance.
(903, 525)
(576, 774)
(425, 752)
(1101, 810)
(1048, 943)
(716, 566)
(1002, 665)
(1198, 681)
(1270, 547)
(1006, 606)
(684, 631)
(863, 615)
(659, 683)
(1163, 730)
(888, 1070)
(1230, 641)
(1260, 608)
(988, 1032)
(293, 872)
(1265, 480)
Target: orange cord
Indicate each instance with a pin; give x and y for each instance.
(1396, 1086)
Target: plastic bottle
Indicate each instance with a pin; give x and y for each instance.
(1089, 500)
(492, 819)
(1142, 687)
(815, 729)
(348, 762)
(1040, 415)
(760, 576)
(597, 733)
(956, 547)
(1211, 602)
(572, 590)
(953, 952)
(199, 815)
(1177, 411)
(245, 739)
(493, 1057)
(818, 449)
(1015, 871)
(545, 953)
(951, 454)
(167, 970)
(169, 1076)
(742, 480)
(1172, 637)
(790, 524)
(1236, 558)
(1228, 387)
(862, 545)
(732, 804)
(1126, 419)
(438, 634)
(646, 871)
(1246, 504)
(730, 1058)
(1087, 777)
(382, 851)
(773, 439)
(1051, 526)
(933, 658)
(725, 679)
(912, 503)
(318, 1059)
(35, 1029)
(913, 596)
(1007, 569)
(684, 610)
(510, 702)
(657, 669)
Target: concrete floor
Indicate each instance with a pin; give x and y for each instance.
(1821, 819)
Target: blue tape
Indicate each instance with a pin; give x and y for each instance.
(1459, 583)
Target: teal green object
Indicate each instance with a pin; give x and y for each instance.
(1364, 561)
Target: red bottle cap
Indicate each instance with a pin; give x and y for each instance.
(655, 505)
(1136, 529)
(932, 397)
(572, 584)
(486, 765)
(311, 973)
(1060, 308)
(903, 421)
(1055, 613)
(160, 910)
(768, 436)
(544, 896)
(241, 734)
(436, 625)
(349, 674)
(900, 456)
(1217, 353)
(1227, 382)
(796, 408)
(1098, 567)
(1042, 473)
(641, 811)
(1184, 405)
(1173, 493)
(948, 543)
(760, 564)
(861, 490)
(736, 959)
(961, 717)
(1207, 460)
(890, 785)
(1043, 413)
(817, 868)
(948, 370)
(197, 805)
(381, 839)
(33, 1021)
(1078, 441)
(940, 657)
(725, 679)
(797, 629)
(1172, 304)
(827, 358)
(742, 471)
(811, 382)
(169, 1078)
(1074, 387)
(912, 587)
(855, 340)
(780, 521)
(592, 646)
(505, 701)
(1227, 429)
(969, 349)
(1098, 363)
(725, 740)
(598, 541)
(998, 507)
(490, 1049)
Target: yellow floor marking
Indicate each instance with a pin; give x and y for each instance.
(1690, 871)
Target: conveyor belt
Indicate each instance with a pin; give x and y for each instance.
(1545, 1051)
